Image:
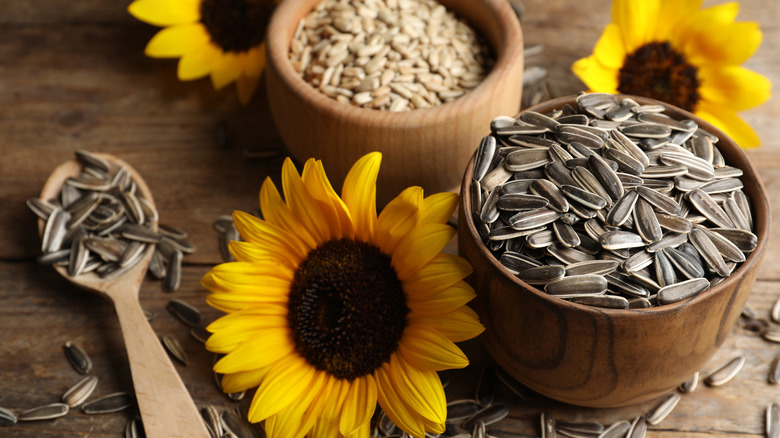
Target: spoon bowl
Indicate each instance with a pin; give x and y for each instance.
(166, 407)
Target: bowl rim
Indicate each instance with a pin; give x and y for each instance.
(278, 42)
(759, 205)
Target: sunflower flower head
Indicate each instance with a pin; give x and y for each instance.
(678, 53)
(331, 308)
(220, 38)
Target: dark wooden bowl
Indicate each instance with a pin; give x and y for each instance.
(595, 357)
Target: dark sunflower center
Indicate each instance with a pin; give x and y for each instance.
(347, 308)
(236, 25)
(658, 71)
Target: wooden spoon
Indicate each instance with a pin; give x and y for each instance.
(165, 404)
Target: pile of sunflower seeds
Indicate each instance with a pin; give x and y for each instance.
(101, 224)
(611, 204)
(393, 55)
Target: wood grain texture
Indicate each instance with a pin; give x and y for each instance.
(76, 77)
(427, 147)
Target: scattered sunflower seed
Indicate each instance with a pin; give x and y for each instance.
(110, 403)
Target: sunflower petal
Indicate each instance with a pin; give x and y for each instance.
(394, 405)
(329, 390)
(421, 390)
(175, 41)
(595, 75)
(270, 237)
(165, 12)
(442, 272)
(728, 43)
(438, 207)
(302, 204)
(610, 50)
(703, 19)
(734, 87)
(252, 253)
(198, 63)
(226, 70)
(288, 422)
(419, 247)
(327, 424)
(319, 188)
(458, 326)
(276, 212)
(262, 349)
(676, 13)
(243, 380)
(254, 318)
(635, 20)
(359, 405)
(283, 384)
(255, 60)
(730, 123)
(398, 218)
(425, 348)
(444, 301)
(359, 195)
(327, 195)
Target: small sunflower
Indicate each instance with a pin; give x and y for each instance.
(221, 38)
(331, 308)
(676, 52)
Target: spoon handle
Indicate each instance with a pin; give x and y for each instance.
(167, 410)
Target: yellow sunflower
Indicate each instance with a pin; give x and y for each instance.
(676, 52)
(221, 38)
(331, 308)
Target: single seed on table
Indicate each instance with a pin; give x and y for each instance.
(7, 418)
(772, 335)
(187, 313)
(580, 427)
(616, 430)
(487, 416)
(46, 412)
(173, 275)
(725, 372)
(486, 387)
(663, 409)
(461, 410)
(80, 392)
(690, 385)
(638, 428)
(77, 357)
(772, 427)
(236, 424)
(774, 371)
(111, 403)
(173, 347)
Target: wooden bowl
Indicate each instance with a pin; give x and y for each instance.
(595, 357)
(425, 147)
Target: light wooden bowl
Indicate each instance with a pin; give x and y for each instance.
(601, 357)
(425, 147)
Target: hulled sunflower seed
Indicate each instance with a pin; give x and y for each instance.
(46, 412)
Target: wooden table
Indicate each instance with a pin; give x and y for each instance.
(75, 77)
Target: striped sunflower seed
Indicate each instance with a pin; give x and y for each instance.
(110, 403)
(772, 428)
(663, 409)
(682, 290)
(77, 357)
(7, 418)
(725, 372)
(80, 392)
(175, 349)
(45, 412)
(542, 274)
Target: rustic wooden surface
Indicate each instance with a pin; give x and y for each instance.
(75, 77)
